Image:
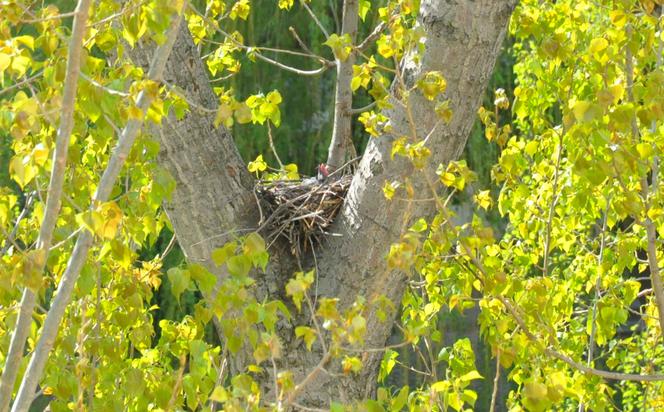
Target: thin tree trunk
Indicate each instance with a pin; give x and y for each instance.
(54, 194)
(84, 242)
(343, 97)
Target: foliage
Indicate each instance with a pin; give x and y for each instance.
(576, 187)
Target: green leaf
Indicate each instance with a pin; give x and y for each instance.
(341, 45)
(203, 277)
(307, 334)
(239, 266)
(221, 255)
(179, 280)
(472, 375)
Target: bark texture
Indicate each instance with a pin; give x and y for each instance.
(213, 198)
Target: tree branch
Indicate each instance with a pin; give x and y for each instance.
(315, 19)
(343, 97)
(52, 209)
(571, 362)
(84, 242)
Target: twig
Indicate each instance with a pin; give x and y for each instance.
(169, 247)
(363, 109)
(496, 381)
(315, 19)
(552, 207)
(47, 18)
(178, 382)
(371, 37)
(299, 41)
(598, 285)
(22, 82)
(274, 149)
(295, 393)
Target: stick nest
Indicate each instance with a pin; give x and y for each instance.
(300, 211)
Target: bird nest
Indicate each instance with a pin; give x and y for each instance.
(300, 211)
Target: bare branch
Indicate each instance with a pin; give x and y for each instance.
(295, 70)
(293, 395)
(363, 109)
(22, 82)
(371, 37)
(315, 19)
(496, 381)
(343, 98)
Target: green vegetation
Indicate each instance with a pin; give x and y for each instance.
(534, 283)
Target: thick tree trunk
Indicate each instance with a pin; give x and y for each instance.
(213, 198)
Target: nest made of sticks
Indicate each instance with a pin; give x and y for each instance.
(300, 211)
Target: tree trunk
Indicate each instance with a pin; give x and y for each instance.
(213, 199)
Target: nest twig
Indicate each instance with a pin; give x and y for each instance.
(301, 211)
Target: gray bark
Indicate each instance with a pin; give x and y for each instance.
(343, 96)
(213, 198)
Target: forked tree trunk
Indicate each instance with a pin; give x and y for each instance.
(213, 199)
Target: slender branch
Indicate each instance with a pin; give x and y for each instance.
(371, 37)
(571, 362)
(315, 19)
(651, 231)
(55, 17)
(178, 383)
(299, 41)
(9, 241)
(102, 87)
(84, 242)
(255, 51)
(130, 7)
(343, 98)
(272, 147)
(598, 284)
(275, 375)
(363, 109)
(552, 207)
(22, 82)
(496, 381)
(295, 393)
(295, 70)
(53, 202)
